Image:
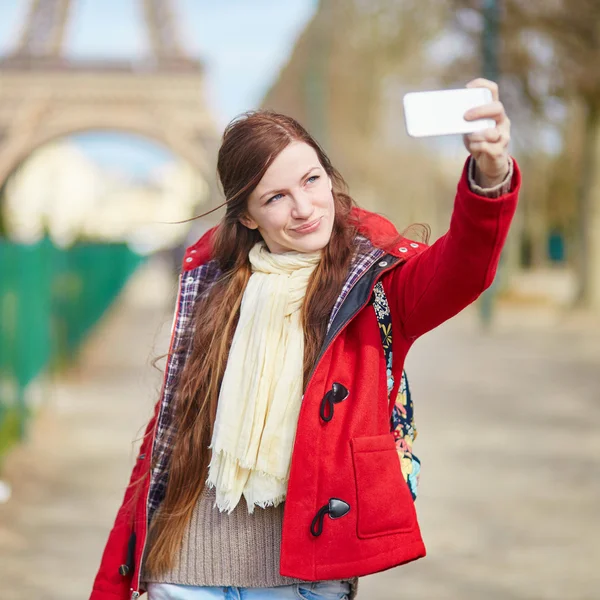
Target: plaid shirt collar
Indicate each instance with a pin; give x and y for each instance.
(365, 256)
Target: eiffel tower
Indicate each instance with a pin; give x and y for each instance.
(44, 95)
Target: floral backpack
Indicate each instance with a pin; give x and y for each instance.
(402, 421)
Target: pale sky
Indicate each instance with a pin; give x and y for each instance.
(242, 43)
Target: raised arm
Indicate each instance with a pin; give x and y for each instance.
(449, 275)
(443, 279)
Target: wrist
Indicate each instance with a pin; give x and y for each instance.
(486, 181)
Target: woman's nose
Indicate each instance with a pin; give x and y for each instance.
(303, 207)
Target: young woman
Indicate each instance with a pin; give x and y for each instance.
(281, 379)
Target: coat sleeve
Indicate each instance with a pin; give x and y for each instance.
(109, 584)
(440, 281)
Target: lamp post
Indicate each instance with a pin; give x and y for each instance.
(490, 44)
(491, 38)
(316, 78)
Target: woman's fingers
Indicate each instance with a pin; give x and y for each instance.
(494, 151)
(493, 135)
(493, 110)
(486, 83)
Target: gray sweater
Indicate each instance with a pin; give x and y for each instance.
(238, 549)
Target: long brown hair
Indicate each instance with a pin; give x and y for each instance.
(250, 144)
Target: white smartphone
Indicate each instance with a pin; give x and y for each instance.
(441, 112)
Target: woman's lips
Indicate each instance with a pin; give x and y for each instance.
(309, 227)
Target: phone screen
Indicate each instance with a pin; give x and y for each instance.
(442, 112)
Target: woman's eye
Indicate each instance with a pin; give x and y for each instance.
(275, 197)
(313, 178)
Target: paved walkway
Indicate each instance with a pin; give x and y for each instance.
(509, 438)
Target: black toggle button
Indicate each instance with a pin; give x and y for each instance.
(335, 395)
(335, 508)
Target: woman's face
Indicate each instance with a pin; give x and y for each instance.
(292, 206)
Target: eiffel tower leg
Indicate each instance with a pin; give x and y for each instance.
(44, 30)
(19, 138)
(160, 21)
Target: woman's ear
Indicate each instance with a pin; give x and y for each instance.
(330, 183)
(248, 222)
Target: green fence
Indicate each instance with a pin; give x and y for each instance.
(50, 298)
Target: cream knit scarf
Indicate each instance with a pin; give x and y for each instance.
(261, 392)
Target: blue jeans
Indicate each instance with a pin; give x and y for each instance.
(319, 590)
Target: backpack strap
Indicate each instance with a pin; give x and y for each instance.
(402, 420)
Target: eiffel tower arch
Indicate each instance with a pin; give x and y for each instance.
(44, 95)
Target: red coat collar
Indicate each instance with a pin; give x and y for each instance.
(381, 232)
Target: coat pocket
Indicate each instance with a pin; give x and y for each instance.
(385, 505)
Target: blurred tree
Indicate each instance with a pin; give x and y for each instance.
(550, 56)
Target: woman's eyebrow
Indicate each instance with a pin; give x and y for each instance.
(277, 191)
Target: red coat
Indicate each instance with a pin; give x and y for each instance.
(348, 463)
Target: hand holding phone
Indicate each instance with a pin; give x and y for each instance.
(486, 129)
(441, 112)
